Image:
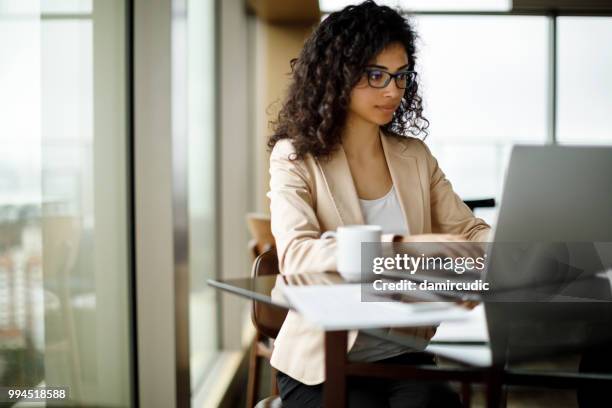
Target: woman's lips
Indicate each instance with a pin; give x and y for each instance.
(387, 108)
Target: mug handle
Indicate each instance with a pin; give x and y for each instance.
(329, 234)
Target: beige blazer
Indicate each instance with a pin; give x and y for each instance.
(310, 196)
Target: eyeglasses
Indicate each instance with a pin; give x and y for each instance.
(377, 78)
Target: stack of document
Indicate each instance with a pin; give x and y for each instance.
(339, 307)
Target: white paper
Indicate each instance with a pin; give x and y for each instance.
(339, 307)
(473, 328)
(480, 356)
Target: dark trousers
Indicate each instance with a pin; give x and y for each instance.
(365, 392)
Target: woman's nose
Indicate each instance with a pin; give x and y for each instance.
(392, 90)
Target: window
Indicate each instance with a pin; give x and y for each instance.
(584, 80)
(64, 268)
(484, 84)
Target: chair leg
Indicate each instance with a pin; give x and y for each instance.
(466, 394)
(273, 383)
(253, 380)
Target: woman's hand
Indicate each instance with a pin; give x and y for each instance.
(444, 245)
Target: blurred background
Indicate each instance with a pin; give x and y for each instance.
(132, 145)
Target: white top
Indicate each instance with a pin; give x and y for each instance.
(387, 213)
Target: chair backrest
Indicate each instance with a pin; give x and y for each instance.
(261, 231)
(267, 319)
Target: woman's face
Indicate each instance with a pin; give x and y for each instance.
(377, 105)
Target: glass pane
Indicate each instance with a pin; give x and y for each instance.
(63, 200)
(201, 142)
(584, 80)
(484, 78)
(65, 6)
(484, 85)
(22, 306)
(480, 176)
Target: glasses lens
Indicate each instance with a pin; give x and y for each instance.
(405, 79)
(401, 79)
(377, 79)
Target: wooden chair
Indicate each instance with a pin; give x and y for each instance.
(266, 319)
(261, 233)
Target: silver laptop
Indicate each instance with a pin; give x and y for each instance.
(558, 199)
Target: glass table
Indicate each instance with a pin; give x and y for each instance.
(558, 344)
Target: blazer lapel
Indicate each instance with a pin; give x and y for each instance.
(404, 174)
(339, 180)
(406, 179)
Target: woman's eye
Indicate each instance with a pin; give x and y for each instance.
(376, 75)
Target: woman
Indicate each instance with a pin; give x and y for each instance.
(341, 155)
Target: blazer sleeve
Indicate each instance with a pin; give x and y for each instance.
(449, 214)
(295, 225)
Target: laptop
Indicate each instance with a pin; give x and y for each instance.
(560, 199)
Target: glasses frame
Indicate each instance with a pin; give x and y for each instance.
(391, 76)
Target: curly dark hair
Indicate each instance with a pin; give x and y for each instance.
(330, 65)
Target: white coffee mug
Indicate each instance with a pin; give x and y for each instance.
(349, 239)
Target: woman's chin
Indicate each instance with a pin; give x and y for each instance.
(378, 118)
(384, 120)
